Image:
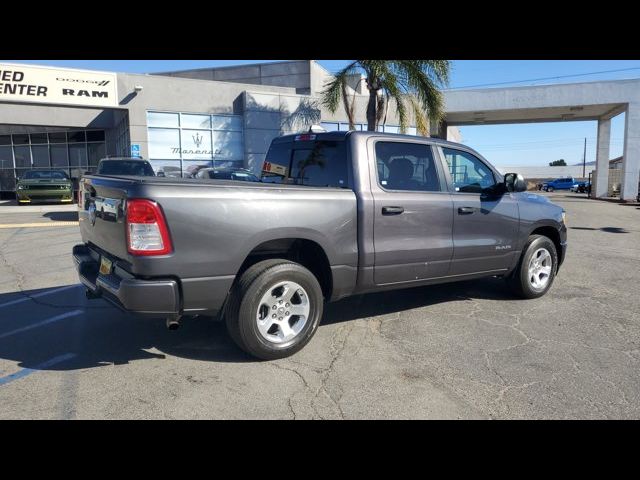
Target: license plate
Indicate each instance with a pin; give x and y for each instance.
(105, 266)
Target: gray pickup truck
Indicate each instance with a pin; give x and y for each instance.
(335, 214)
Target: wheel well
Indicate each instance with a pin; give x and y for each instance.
(551, 233)
(305, 252)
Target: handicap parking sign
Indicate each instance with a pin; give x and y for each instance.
(135, 150)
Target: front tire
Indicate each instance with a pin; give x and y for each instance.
(537, 268)
(274, 309)
(549, 189)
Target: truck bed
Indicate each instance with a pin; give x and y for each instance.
(214, 225)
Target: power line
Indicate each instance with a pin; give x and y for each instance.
(545, 78)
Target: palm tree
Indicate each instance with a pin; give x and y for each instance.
(412, 84)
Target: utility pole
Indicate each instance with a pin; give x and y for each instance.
(584, 157)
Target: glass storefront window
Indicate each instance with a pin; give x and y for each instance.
(93, 136)
(226, 122)
(66, 151)
(164, 143)
(6, 157)
(194, 137)
(227, 145)
(166, 168)
(78, 155)
(330, 126)
(38, 138)
(59, 156)
(157, 119)
(20, 139)
(195, 121)
(22, 155)
(76, 137)
(196, 144)
(40, 155)
(57, 137)
(95, 152)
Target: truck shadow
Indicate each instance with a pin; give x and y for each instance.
(62, 216)
(37, 326)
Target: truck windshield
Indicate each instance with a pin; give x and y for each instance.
(321, 163)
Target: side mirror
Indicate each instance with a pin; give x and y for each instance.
(160, 174)
(514, 182)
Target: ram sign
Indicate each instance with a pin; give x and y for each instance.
(25, 83)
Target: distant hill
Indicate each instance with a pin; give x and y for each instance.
(588, 163)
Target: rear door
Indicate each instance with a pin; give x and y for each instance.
(485, 225)
(413, 213)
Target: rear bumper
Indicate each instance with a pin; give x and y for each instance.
(149, 297)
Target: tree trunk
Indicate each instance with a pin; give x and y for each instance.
(371, 110)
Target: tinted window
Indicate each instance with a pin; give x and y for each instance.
(57, 137)
(117, 167)
(276, 165)
(38, 138)
(76, 137)
(468, 172)
(93, 136)
(406, 166)
(321, 163)
(21, 139)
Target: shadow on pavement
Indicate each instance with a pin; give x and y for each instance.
(62, 216)
(603, 229)
(98, 334)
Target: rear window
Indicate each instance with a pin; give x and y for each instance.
(124, 167)
(321, 163)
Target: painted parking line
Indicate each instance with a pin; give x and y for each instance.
(41, 366)
(39, 224)
(37, 295)
(57, 318)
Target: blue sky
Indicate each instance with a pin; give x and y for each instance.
(523, 144)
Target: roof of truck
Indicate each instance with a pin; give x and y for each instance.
(343, 135)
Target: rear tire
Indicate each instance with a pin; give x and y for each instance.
(534, 276)
(266, 332)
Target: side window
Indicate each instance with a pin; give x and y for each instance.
(468, 173)
(276, 164)
(322, 164)
(406, 166)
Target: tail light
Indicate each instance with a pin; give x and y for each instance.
(147, 232)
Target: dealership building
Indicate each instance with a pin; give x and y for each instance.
(69, 119)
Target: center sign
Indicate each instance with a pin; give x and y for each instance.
(25, 83)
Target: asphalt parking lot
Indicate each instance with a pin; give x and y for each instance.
(466, 350)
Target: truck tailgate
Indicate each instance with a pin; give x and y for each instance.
(101, 211)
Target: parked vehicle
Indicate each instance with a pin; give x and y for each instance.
(125, 166)
(241, 174)
(336, 214)
(581, 187)
(558, 184)
(44, 186)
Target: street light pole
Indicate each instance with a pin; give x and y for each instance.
(584, 157)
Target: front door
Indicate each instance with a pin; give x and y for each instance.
(485, 226)
(413, 214)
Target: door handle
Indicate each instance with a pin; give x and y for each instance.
(392, 210)
(466, 210)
